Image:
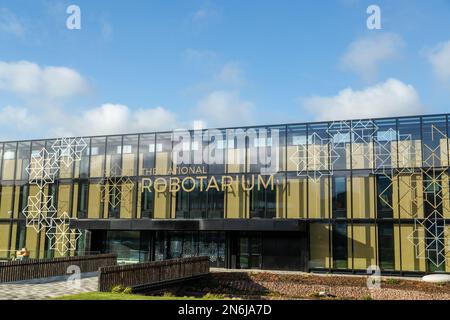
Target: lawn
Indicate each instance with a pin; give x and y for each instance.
(120, 296)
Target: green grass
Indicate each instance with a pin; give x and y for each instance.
(120, 296)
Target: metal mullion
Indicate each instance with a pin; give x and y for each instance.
(13, 197)
(136, 174)
(398, 198)
(351, 201)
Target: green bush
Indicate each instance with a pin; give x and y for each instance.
(118, 289)
(212, 296)
(391, 281)
(127, 290)
(168, 294)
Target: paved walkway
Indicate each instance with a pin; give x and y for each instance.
(39, 289)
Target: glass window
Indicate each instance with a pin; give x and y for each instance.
(216, 201)
(386, 246)
(127, 246)
(384, 196)
(265, 148)
(363, 195)
(409, 144)
(339, 197)
(182, 202)
(53, 192)
(296, 196)
(21, 232)
(147, 153)
(319, 244)
(385, 145)
(263, 202)
(129, 155)
(340, 243)
(215, 145)
(257, 203)
(23, 160)
(434, 139)
(23, 198)
(250, 248)
(147, 203)
(198, 201)
(435, 238)
(163, 153)
(97, 153)
(319, 198)
(82, 166)
(212, 244)
(83, 187)
(114, 200)
(320, 156)
(339, 136)
(362, 151)
(114, 156)
(236, 151)
(297, 148)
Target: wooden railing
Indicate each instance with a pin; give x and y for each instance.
(152, 273)
(45, 268)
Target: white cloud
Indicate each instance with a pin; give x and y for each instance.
(9, 23)
(224, 108)
(106, 119)
(389, 98)
(439, 57)
(29, 79)
(206, 13)
(200, 14)
(231, 74)
(11, 115)
(118, 118)
(365, 55)
(199, 55)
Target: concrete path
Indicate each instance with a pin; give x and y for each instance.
(39, 289)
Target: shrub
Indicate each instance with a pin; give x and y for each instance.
(127, 290)
(392, 281)
(212, 296)
(118, 289)
(168, 294)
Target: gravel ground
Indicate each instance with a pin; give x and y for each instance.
(269, 285)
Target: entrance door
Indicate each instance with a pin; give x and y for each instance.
(249, 251)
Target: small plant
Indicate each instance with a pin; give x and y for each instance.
(392, 281)
(118, 289)
(168, 294)
(213, 296)
(127, 290)
(367, 298)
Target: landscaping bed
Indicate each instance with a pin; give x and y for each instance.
(266, 285)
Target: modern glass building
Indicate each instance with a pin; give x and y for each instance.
(331, 196)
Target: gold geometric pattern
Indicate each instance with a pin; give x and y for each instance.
(115, 189)
(40, 212)
(417, 168)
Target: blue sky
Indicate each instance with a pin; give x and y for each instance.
(142, 65)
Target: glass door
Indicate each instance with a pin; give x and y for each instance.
(249, 253)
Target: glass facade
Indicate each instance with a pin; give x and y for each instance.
(371, 192)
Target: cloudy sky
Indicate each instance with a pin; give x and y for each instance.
(140, 65)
